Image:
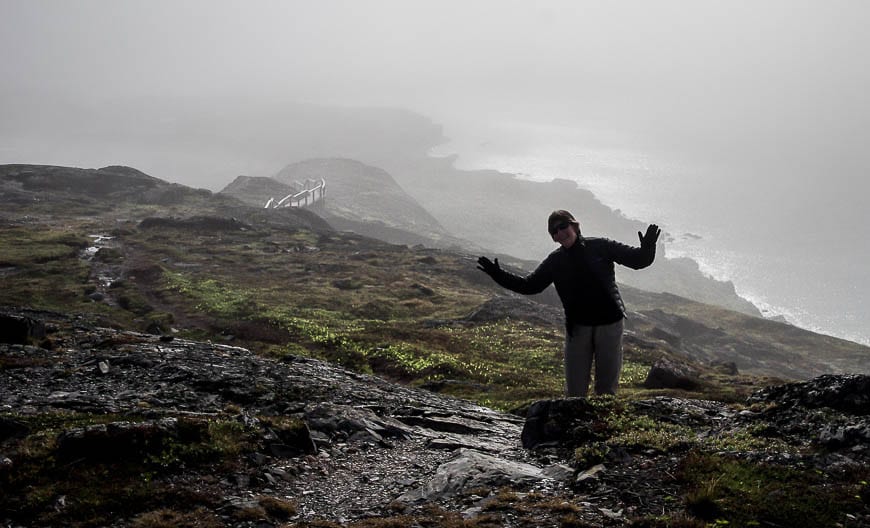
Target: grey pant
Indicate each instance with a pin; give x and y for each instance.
(604, 344)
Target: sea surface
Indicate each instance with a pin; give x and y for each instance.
(794, 244)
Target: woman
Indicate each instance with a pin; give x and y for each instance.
(582, 271)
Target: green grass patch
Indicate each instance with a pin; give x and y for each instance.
(501, 364)
(504, 363)
(58, 285)
(747, 440)
(619, 426)
(26, 247)
(642, 433)
(102, 476)
(212, 295)
(45, 270)
(732, 492)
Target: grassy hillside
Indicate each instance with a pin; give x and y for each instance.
(285, 283)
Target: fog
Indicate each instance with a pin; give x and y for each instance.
(743, 121)
(731, 76)
(774, 87)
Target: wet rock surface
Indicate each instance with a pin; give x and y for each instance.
(364, 447)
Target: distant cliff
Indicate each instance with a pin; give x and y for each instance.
(359, 198)
(256, 190)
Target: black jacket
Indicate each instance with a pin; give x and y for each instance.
(584, 278)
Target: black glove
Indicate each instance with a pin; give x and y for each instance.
(487, 266)
(648, 241)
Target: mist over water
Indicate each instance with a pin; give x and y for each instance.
(753, 227)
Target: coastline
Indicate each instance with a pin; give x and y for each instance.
(503, 212)
(745, 251)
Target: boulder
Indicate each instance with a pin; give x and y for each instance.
(559, 423)
(19, 329)
(293, 437)
(471, 469)
(843, 436)
(341, 422)
(588, 479)
(666, 374)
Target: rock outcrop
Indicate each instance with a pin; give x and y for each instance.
(667, 374)
(347, 446)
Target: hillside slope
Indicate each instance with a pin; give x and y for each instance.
(213, 263)
(205, 363)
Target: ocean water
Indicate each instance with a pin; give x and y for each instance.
(795, 245)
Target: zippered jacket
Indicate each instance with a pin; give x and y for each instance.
(584, 278)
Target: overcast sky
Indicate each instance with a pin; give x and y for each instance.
(722, 70)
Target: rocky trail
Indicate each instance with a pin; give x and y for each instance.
(372, 449)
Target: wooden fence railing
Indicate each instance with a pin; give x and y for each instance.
(304, 194)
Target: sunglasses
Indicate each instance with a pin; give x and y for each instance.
(556, 228)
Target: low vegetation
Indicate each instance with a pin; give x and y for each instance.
(727, 491)
(127, 474)
(398, 312)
